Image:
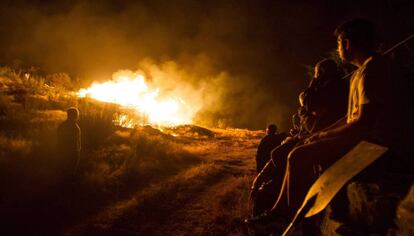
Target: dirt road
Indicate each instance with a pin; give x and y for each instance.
(209, 198)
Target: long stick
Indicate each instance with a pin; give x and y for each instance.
(398, 44)
(388, 51)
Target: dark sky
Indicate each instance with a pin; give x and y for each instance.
(263, 47)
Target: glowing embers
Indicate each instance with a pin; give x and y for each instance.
(130, 90)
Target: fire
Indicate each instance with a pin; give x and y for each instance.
(130, 90)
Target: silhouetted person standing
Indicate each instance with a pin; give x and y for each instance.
(267, 144)
(69, 141)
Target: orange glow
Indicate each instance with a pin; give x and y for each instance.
(130, 90)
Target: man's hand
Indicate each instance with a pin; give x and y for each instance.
(312, 138)
(287, 139)
(256, 185)
(316, 137)
(264, 175)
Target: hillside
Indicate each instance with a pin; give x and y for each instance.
(184, 180)
(150, 180)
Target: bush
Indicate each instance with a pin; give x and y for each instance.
(11, 148)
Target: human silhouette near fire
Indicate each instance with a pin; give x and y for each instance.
(69, 142)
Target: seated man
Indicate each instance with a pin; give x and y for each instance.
(322, 103)
(375, 114)
(266, 145)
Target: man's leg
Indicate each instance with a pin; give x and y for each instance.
(280, 160)
(303, 164)
(273, 174)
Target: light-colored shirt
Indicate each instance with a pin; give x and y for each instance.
(357, 95)
(377, 82)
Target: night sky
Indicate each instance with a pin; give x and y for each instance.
(263, 47)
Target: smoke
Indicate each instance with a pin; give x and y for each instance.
(246, 60)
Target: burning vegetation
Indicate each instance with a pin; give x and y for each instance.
(131, 90)
(122, 170)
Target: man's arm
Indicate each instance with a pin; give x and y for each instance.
(267, 172)
(338, 123)
(368, 112)
(259, 151)
(78, 139)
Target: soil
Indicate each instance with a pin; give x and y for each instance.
(208, 198)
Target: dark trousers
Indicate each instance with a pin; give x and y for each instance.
(269, 191)
(305, 163)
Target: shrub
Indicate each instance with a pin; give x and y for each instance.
(59, 80)
(14, 147)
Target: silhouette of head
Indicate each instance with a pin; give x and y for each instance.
(73, 114)
(271, 129)
(325, 69)
(357, 35)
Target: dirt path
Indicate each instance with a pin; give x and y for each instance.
(205, 215)
(218, 209)
(207, 199)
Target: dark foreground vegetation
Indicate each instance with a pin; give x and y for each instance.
(33, 197)
(129, 181)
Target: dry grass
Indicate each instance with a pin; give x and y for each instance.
(149, 164)
(151, 205)
(14, 148)
(228, 209)
(207, 199)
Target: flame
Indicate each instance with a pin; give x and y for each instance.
(124, 120)
(130, 90)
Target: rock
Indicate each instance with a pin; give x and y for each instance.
(371, 208)
(405, 215)
(329, 224)
(371, 202)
